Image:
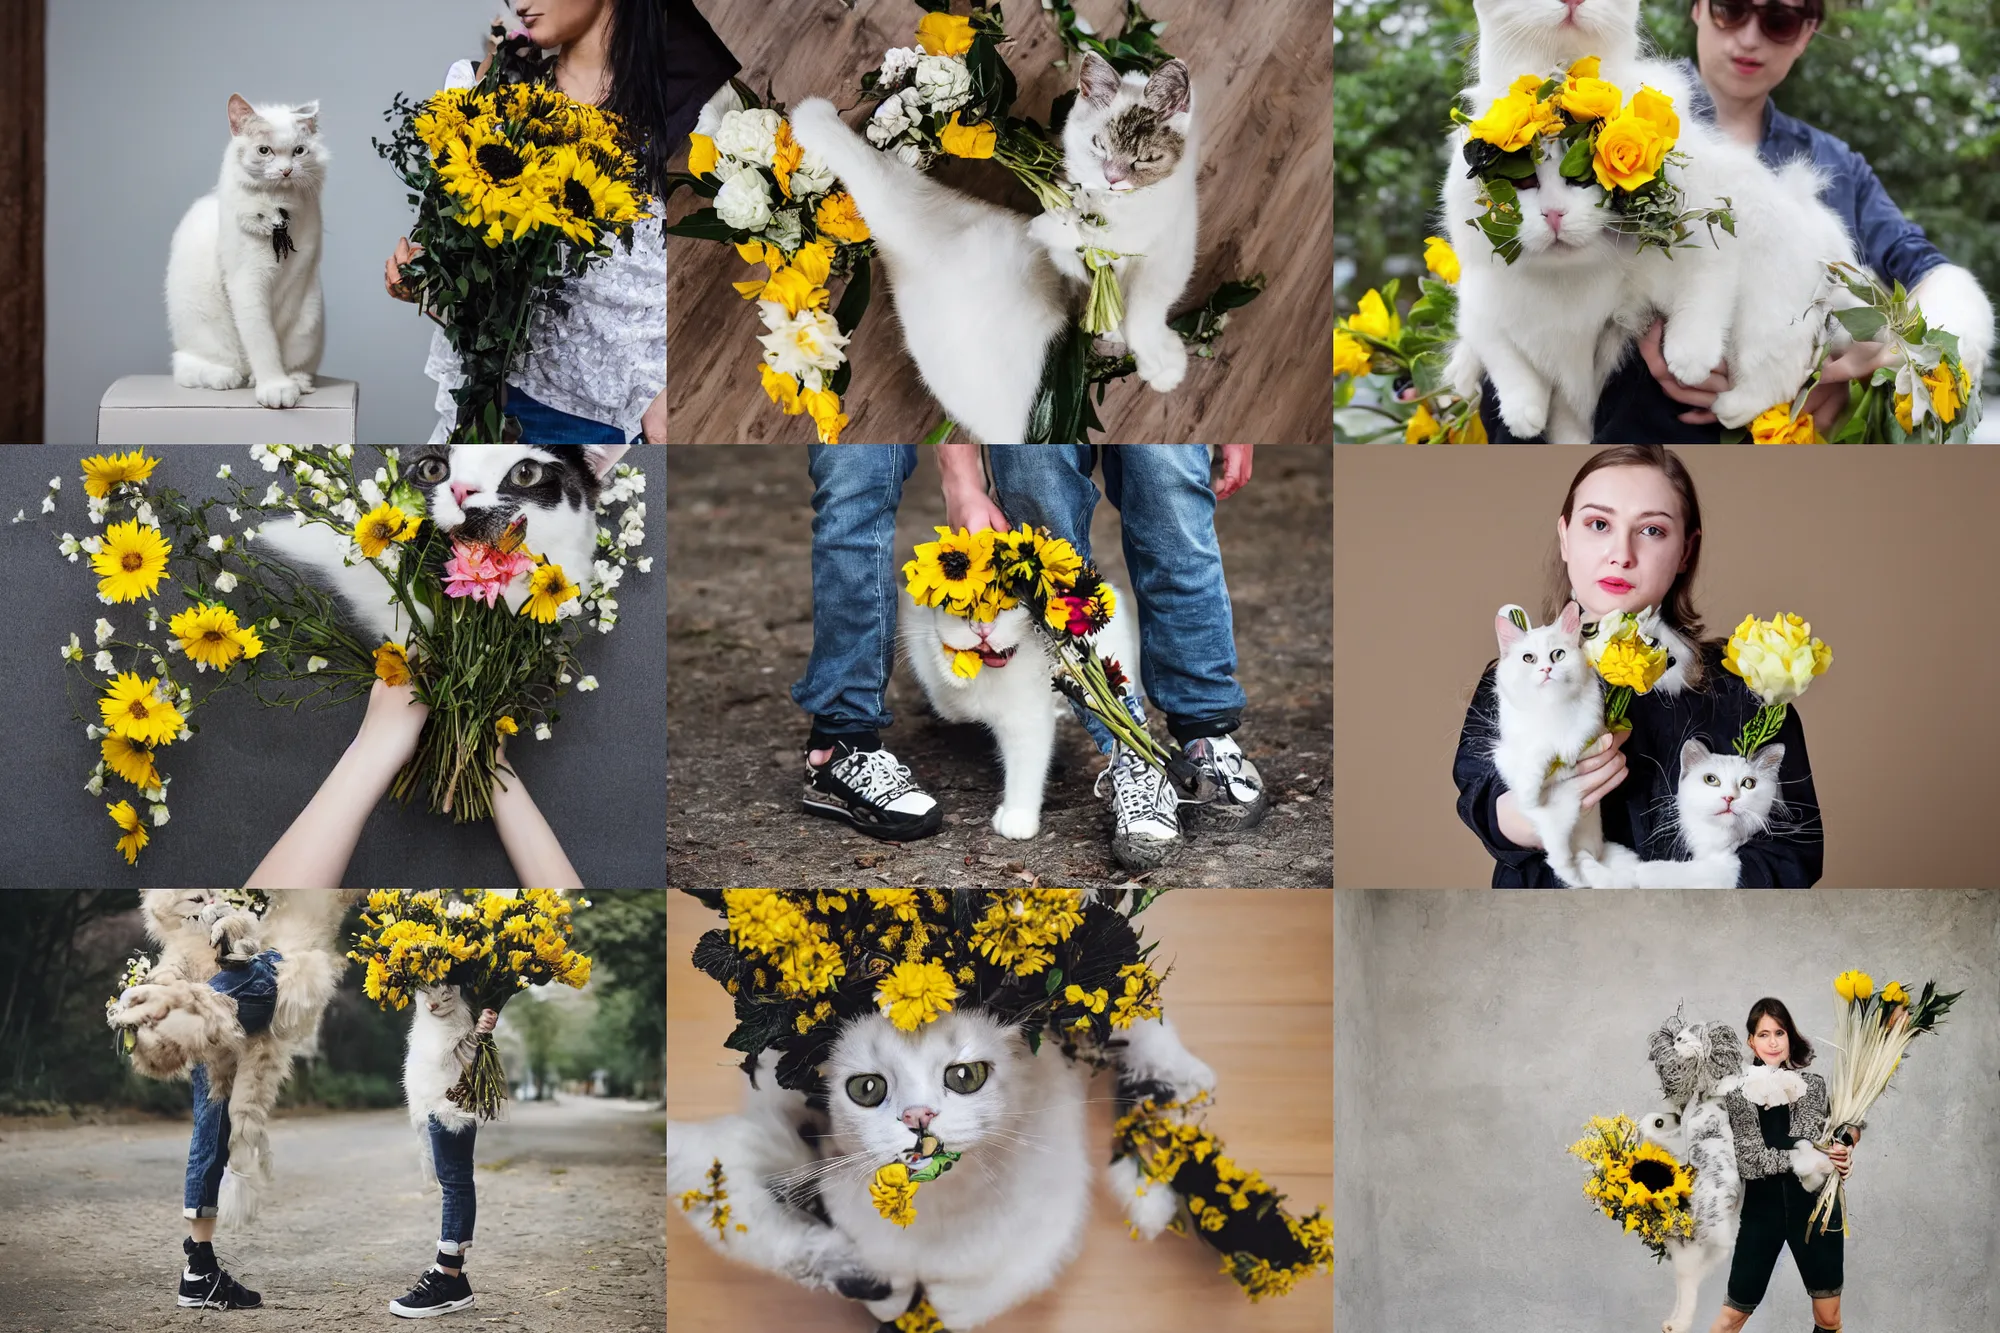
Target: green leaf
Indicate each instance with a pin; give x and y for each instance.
(1576, 162)
(1054, 982)
(854, 301)
(1865, 323)
(704, 225)
(941, 432)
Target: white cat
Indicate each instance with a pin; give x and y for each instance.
(1011, 696)
(441, 1043)
(243, 291)
(476, 491)
(1551, 710)
(980, 298)
(1721, 802)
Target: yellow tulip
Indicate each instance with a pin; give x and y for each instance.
(1350, 354)
(823, 407)
(1632, 662)
(1893, 993)
(1440, 258)
(1854, 985)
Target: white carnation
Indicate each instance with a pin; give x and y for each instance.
(743, 201)
(896, 62)
(910, 155)
(718, 106)
(811, 177)
(944, 81)
(750, 136)
(895, 116)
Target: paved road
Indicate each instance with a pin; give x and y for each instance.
(571, 1196)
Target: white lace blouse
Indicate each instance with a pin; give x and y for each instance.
(606, 360)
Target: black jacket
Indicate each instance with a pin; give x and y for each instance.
(1637, 813)
(697, 64)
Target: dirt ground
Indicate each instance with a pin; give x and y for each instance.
(571, 1194)
(739, 630)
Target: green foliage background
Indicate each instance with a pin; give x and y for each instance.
(1877, 76)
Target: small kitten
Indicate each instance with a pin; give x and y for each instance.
(243, 290)
(1551, 710)
(1011, 696)
(1721, 802)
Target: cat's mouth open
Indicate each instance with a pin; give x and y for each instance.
(989, 657)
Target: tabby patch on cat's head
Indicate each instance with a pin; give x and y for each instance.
(476, 490)
(1127, 133)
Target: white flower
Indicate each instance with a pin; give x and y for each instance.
(910, 155)
(235, 517)
(159, 815)
(145, 514)
(152, 618)
(104, 663)
(96, 784)
(812, 176)
(222, 473)
(92, 544)
(275, 494)
(646, 565)
(185, 733)
(749, 136)
(73, 650)
(97, 508)
(564, 678)
(608, 575)
(587, 684)
(712, 112)
(69, 546)
(55, 483)
(542, 731)
(743, 202)
(225, 582)
(154, 794)
(605, 624)
(944, 81)
(896, 62)
(796, 344)
(785, 230)
(371, 493)
(20, 514)
(570, 609)
(215, 542)
(344, 452)
(894, 116)
(48, 504)
(105, 629)
(459, 908)
(315, 664)
(93, 731)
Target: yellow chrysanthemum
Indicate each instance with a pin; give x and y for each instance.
(952, 571)
(136, 709)
(1632, 662)
(838, 217)
(131, 561)
(548, 589)
(893, 1195)
(210, 635)
(915, 993)
(130, 761)
(382, 525)
(1021, 926)
(123, 815)
(392, 664)
(1777, 658)
(103, 471)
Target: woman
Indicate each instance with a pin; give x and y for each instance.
(1629, 537)
(1775, 1203)
(598, 373)
(442, 1034)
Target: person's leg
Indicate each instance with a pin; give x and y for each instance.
(1760, 1239)
(443, 1287)
(203, 1283)
(1819, 1254)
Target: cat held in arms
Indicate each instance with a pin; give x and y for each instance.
(243, 292)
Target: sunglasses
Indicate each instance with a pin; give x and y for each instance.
(1781, 23)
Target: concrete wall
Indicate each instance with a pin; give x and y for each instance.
(136, 129)
(1475, 1034)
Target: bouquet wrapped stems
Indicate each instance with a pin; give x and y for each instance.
(482, 1085)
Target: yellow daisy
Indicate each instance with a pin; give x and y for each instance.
(103, 471)
(135, 830)
(131, 561)
(136, 709)
(548, 589)
(384, 524)
(131, 761)
(211, 636)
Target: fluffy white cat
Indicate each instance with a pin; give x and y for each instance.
(1721, 802)
(441, 1042)
(243, 290)
(981, 294)
(1011, 696)
(476, 491)
(1551, 710)
(1698, 1067)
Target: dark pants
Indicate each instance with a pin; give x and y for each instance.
(254, 988)
(1774, 1216)
(1632, 409)
(542, 424)
(451, 1154)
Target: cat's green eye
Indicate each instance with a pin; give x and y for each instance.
(431, 471)
(527, 472)
(1711, 779)
(967, 1078)
(1556, 655)
(867, 1089)
(1748, 783)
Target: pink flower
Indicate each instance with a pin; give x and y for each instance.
(482, 572)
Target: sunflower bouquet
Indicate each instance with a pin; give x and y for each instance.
(1396, 354)
(1778, 659)
(1630, 661)
(489, 945)
(1639, 1185)
(980, 574)
(518, 190)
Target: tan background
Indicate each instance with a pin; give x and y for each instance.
(1891, 554)
(1263, 73)
(1251, 993)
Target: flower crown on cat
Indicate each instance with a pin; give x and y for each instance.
(1044, 960)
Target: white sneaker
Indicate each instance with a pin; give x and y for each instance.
(1144, 805)
(1229, 792)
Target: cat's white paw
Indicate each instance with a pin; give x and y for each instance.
(280, 392)
(1056, 230)
(195, 372)
(1463, 371)
(1592, 872)
(1740, 406)
(815, 123)
(1693, 349)
(1017, 822)
(1524, 416)
(304, 381)
(1162, 359)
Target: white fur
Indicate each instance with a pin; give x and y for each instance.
(1551, 710)
(441, 1042)
(1952, 299)
(1014, 701)
(1720, 803)
(235, 309)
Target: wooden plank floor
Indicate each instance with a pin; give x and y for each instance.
(1263, 72)
(1252, 994)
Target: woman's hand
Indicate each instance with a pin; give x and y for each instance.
(1235, 469)
(966, 504)
(1825, 404)
(389, 731)
(392, 272)
(488, 1020)
(1842, 1158)
(653, 425)
(1700, 395)
(1601, 768)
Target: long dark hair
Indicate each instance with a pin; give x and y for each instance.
(638, 51)
(1678, 606)
(1772, 1007)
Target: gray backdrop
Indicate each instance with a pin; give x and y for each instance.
(136, 128)
(1475, 1034)
(238, 784)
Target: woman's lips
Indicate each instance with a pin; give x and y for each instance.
(1616, 587)
(1746, 67)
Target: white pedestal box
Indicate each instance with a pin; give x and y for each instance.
(152, 409)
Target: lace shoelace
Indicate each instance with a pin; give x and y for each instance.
(876, 775)
(1138, 797)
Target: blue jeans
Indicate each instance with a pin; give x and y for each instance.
(1187, 641)
(855, 564)
(542, 424)
(254, 987)
(451, 1154)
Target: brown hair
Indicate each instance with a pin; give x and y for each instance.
(1678, 607)
(1771, 1007)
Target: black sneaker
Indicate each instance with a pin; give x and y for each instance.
(436, 1292)
(1229, 792)
(869, 791)
(215, 1291)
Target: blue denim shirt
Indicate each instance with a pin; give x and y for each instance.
(1895, 247)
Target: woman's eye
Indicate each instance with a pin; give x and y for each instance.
(1655, 530)
(1748, 783)
(1556, 655)
(867, 1089)
(526, 473)
(966, 1078)
(1711, 779)
(431, 471)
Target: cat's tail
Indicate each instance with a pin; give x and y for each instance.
(317, 550)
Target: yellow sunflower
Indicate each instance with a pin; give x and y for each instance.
(590, 196)
(548, 589)
(103, 471)
(448, 115)
(131, 761)
(137, 710)
(211, 636)
(952, 571)
(384, 524)
(131, 561)
(135, 830)
(487, 174)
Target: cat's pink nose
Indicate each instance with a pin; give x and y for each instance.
(919, 1117)
(1554, 217)
(459, 490)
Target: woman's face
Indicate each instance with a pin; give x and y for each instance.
(1742, 62)
(1770, 1042)
(554, 23)
(1623, 542)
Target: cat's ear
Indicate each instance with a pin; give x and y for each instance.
(308, 114)
(1167, 92)
(1766, 760)
(1693, 752)
(604, 457)
(240, 111)
(1572, 619)
(1099, 82)
(1505, 629)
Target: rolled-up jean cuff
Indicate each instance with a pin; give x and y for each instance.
(1189, 729)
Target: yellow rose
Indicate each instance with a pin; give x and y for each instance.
(701, 154)
(966, 140)
(1525, 85)
(1854, 985)
(1440, 258)
(783, 389)
(1350, 354)
(1585, 68)
(1628, 151)
(1373, 317)
(944, 34)
(1944, 388)
(1775, 425)
(1652, 105)
(1422, 428)
(839, 218)
(1514, 121)
(1589, 99)
(1632, 662)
